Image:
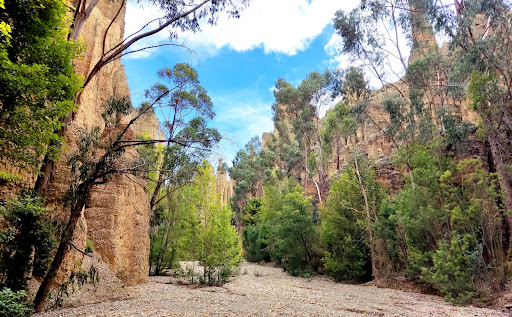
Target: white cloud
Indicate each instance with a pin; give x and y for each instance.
(283, 26)
(332, 48)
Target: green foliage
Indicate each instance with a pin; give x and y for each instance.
(446, 231)
(6, 177)
(76, 280)
(298, 148)
(89, 246)
(247, 171)
(344, 229)
(26, 241)
(339, 123)
(175, 222)
(369, 47)
(455, 265)
(195, 226)
(219, 250)
(351, 83)
(14, 304)
(284, 230)
(189, 139)
(37, 79)
(251, 211)
(5, 28)
(255, 245)
(181, 91)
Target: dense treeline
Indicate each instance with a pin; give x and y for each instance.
(447, 224)
(194, 225)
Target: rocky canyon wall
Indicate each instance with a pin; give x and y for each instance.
(224, 185)
(117, 216)
(371, 138)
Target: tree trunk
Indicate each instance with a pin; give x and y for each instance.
(375, 272)
(305, 172)
(63, 249)
(158, 185)
(337, 154)
(81, 16)
(505, 185)
(45, 173)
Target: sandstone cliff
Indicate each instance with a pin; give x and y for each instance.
(371, 138)
(116, 218)
(224, 185)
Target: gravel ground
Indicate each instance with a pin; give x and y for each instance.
(267, 291)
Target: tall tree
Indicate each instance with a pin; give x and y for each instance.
(184, 97)
(248, 173)
(218, 249)
(98, 159)
(179, 15)
(298, 110)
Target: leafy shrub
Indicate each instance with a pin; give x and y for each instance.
(77, 278)
(292, 237)
(26, 242)
(14, 304)
(344, 231)
(89, 246)
(255, 243)
(352, 263)
(196, 226)
(455, 267)
(6, 177)
(447, 230)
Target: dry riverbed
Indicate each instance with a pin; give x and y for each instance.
(267, 291)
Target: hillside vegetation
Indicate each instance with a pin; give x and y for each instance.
(412, 179)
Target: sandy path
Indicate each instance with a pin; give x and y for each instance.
(266, 291)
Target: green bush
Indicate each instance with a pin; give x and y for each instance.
(344, 230)
(26, 242)
(255, 245)
(6, 177)
(196, 226)
(352, 263)
(14, 304)
(89, 246)
(455, 267)
(292, 236)
(434, 230)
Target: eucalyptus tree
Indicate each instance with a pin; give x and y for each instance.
(177, 16)
(248, 173)
(184, 98)
(98, 157)
(297, 115)
(417, 96)
(339, 123)
(348, 219)
(342, 121)
(479, 35)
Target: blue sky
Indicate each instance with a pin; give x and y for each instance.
(238, 61)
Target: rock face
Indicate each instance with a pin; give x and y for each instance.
(371, 138)
(224, 185)
(116, 218)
